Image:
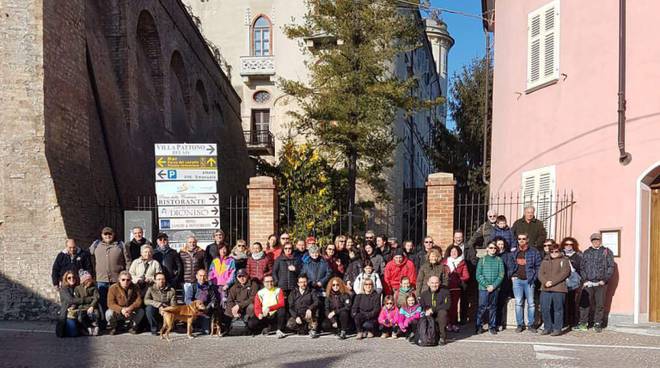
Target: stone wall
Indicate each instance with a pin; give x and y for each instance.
(87, 87)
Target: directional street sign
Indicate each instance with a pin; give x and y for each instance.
(189, 223)
(185, 174)
(185, 149)
(188, 211)
(182, 199)
(173, 187)
(203, 236)
(186, 162)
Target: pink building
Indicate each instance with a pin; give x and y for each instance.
(555, 127)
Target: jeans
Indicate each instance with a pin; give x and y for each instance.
(362, 323)
(187, 292)
(103, 295)
(277, 320)
(488, 302)
(343, 319)
(592, 297)
(522, 291)
(154, 317)
(135, 318)
(552, 308)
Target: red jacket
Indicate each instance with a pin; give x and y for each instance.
(337, 269)
(258, 307)
(274, 253)
(257, 269)
(459, 276)
(395, 272)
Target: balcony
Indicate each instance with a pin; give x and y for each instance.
(260, 142)
(257, 67)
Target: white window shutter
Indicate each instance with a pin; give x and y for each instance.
(533, 48)
(538, 190)
(543, 45)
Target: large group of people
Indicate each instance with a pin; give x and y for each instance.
(368, 287)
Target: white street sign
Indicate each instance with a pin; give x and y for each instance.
(188, 211)
(182, 199)
(189, 223)
(173, 187)
(185, 149)
(185, 174)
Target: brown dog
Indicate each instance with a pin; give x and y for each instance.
(187, 313)
(216, 329)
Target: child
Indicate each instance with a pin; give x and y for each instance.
(409, 314)
(388, 318)
(89, 315)
(368, 273)
(401, 295)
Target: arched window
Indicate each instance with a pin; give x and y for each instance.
(261, 37)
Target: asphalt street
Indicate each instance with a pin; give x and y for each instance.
(23, 345)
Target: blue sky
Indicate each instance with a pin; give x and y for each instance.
(466, 31)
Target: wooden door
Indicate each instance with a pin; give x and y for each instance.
(654, 292)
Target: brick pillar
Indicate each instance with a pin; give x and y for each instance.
(440, 208)
(262, 208)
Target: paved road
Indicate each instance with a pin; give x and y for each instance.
(40, 348)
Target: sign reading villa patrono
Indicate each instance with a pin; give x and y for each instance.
(185, 149)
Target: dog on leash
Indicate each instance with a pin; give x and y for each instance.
(186, 313)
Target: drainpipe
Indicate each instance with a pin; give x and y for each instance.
(484, 179)
(624, 157)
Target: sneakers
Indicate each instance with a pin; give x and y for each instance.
(384, 335)
(520, 329)
(113, 331)
(411, 337)
(89, 331)
(370, 334)
(281, 335)
(342, 335)
(334, 324)
(313, 334)
(394, 336)
(598, 328)
(265, 331)
(360, 336)
(582, 327)
(531, 329)
(133, 331)
(478, 330)
(545, 331)
(95, 331)
(555, 333)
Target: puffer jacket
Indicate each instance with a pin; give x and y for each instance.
(533, 259)
(191, 262)
(284, 278)
(507, 234)
(258, 268)
(557, 271)
(597, 265)
(89, 295)
(426, 271)
(395, 272)
(317, 271)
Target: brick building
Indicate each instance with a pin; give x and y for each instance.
(86, 88)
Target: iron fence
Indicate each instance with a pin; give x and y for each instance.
(553, 208)
(414, 215)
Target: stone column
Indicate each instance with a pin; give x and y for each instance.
(440, 208)
(262, 209)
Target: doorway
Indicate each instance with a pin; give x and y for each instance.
(654, 266)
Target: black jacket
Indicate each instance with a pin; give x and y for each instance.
(337, 303)
(285, 279)
(353, 270)
(597, 264)
(64, 262)
(299, 303)
(171, 264)
(366, 304)
(534, 229)
(133, 248)
(441, 297)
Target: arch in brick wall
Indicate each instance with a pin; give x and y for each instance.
(179, 95)
(150, 70)
(201, 106)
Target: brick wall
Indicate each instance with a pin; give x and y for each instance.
(440, 208)
(84, 94)
(263, 210)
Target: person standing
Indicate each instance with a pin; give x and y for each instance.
(555, 269)
(211, 251)
(532, 227)
(596, 270)
(457, 275)
(109, 260)
(192, 260)
(317, 270)
(259, 265)
(435, 302)
(471, 293)
(240, 254)
(490, 273)
(431, 267)
(144, 269)
(523, 268)
(169, 260)
(503, 231)
(135, 245)
(158, 296)
(571, 249)
(222, 274)
(422, 255)
(484, 232)
(286, 269)
(396, 269)
(369, 253)
(72, 258)
(505, 294)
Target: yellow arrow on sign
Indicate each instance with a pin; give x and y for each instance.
(211, 161)
(161, 162)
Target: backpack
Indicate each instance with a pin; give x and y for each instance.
(574, 280)
(427, 332)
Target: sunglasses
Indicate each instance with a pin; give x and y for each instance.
(241, 276)
(333, 285)
(288, 248)
(389, 303)
(555, 251)
(70, 278)
(107, 233)
(287, 238)
(368, 284)
(124, 280)
(522, 238)
(332, 249)
(569, 243)
(427, 242)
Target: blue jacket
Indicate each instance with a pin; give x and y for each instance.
(533, 258)
(507, 234)
(317, 271)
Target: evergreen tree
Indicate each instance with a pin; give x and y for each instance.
(349, 105)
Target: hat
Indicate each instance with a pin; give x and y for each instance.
(310, 239)
(107, 230)
(84, 276)
(161, 236)
(398, 252)
(594, 236)
(241, 272)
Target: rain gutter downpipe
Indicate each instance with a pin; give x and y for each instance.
(624, 157)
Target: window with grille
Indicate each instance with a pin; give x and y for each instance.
(261, 96)
(543, 45)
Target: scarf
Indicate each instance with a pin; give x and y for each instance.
(258, 256)
(404, 290)
(238, 254)
(569, 252)
(452, 263)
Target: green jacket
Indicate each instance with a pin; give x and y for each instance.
(490, 271)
